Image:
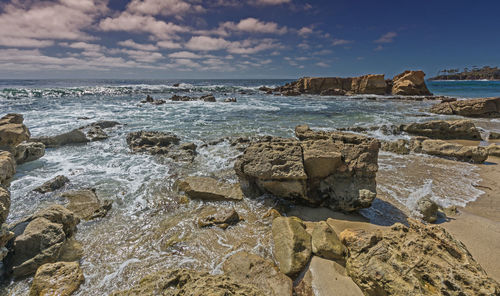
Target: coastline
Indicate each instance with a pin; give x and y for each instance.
(477, 225)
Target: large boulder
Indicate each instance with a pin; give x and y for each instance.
(40, 239)
(254, 270)
(445, 149)
(4, 204)
(53, 184)
(207, 188)
(333, 169)
(75, 136)
(484, 107)
(61, 278)
(440, 129)
(85, 204)
(325, 278)
(410, 83)
(183, 282)
(292, 245)
(414, 260)
(29, 151)
(7, 167)
(369, 84)
(12, 131)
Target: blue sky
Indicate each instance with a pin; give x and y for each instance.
(243, 39)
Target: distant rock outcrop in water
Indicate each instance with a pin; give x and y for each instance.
(484, 73)
(408, 83)
(484, 107)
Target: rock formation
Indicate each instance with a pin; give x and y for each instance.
(254, 270)
(415, 260)
(440, 129)
(221, 218)
(29, 151)
(494, 150)
(325, 278)
(409, 83)
(5, 233)
(333, 169)
(40, 239)
(162, 143)
(485, 107)
(292, 245)
(12, 131)
(445, 149)
(207, 188)
(52, 184)
(86, 205)
(428, 209)
(183, 282)
(61, 278)
(204, 98)
(7, 167)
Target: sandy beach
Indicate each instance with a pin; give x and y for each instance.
(478, 224)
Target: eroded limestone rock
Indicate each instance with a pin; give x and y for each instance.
(60, 278)
(415, 260)
(484, 107)
(86, 205)
(52, 184)
(207, 188)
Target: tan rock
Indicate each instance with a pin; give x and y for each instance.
(207, 188)
(7, 167)
(29, 151)
(182, 282)
(326, 243)
(292, 245)
(52, 184)
(428, 209)
(445, 149)
(399, 147)
(86, 204)
(440, 129)
(41, 240)
(61, 278)
(484, 107)
(12, 130)
(255, 270)
(494, 150)
(369, 84)
(325, 278)
(75, 136)
(221, 218)
(321, 158)
(410, 83)
(415, 260)
(4, 204)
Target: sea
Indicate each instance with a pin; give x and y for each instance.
(148, 227)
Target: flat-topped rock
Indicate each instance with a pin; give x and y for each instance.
(445, 149)
(75, 136)
(441, 129)
(484, 107)
(153, 142)
(207, 188)
(332, 169)
(222, 218)
(415, 260)
(86, 205)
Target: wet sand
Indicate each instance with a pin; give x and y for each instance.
(478, 224)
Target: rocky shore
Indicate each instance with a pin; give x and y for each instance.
(315, 172)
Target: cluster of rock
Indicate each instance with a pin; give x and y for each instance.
(409, 83)
(332, 169)
(89, 133)
(204, 98)
(161, 143)
(484, 107)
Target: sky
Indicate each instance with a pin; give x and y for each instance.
(175, 39)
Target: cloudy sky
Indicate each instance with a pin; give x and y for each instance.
(242, 38)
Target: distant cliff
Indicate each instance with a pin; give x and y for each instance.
(484, 73)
